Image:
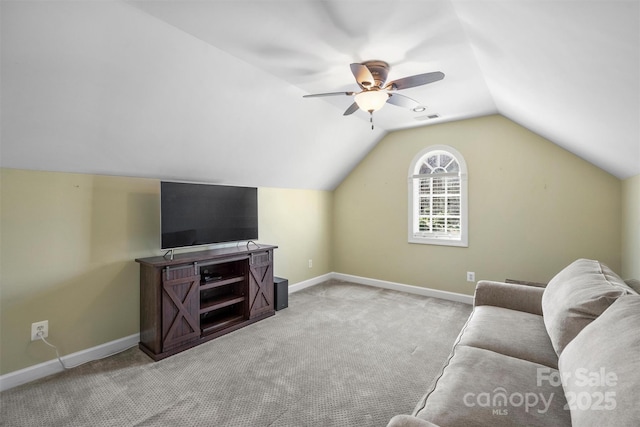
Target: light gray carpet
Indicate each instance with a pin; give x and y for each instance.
(341, 355)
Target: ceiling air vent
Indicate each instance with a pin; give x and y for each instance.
(429, 117)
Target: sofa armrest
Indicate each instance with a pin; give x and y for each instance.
(525, 282)
(509, 295)
(409, 421)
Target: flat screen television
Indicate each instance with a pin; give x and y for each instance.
(203, 214)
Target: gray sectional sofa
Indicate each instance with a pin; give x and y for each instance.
(567, 354)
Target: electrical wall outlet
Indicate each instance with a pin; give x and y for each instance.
(310, 263)
(39, 327)
(471, 276)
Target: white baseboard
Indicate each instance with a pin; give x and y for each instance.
(41, 370)
(32, 373)
(310, 282)
(410, 289)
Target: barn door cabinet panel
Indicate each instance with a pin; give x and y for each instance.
(198, 296)
(180, 305)
(260, 283)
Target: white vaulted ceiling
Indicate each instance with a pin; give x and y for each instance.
(212, 90)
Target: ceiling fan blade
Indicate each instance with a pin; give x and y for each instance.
(315, 95)
(402, 101)
(417, 80)
(363, 76)
(352, 109)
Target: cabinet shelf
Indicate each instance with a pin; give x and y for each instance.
(219, 302)
(218, 323)
(221, 282)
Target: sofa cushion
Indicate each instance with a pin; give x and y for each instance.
(576, 296)
(601, 368)
(510, 332)
(479, 387)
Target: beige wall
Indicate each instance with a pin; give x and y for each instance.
(631, 228)
(299, 222)
(533, 208)
(68, 242)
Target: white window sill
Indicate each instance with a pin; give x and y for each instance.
(439, 242)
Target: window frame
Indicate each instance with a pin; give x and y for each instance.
(414, 199)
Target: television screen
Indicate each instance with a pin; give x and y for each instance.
(202, 214)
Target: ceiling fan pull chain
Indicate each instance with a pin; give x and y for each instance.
(371, 118)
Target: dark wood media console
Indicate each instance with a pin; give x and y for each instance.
(198, 296)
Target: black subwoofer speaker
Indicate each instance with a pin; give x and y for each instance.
(280, 293)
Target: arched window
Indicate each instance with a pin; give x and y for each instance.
(438, 197)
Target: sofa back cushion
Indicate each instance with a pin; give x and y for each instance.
(576, 296)
(601, 368)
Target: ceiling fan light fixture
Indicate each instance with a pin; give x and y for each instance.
(371, 100)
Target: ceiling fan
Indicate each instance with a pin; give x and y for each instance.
(371, 77)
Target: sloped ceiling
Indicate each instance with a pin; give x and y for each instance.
(212, 90)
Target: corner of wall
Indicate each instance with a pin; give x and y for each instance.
(630, 219)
